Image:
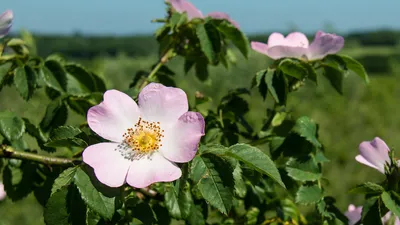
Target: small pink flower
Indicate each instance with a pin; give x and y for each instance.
(353, 213)
(3, 193)
(192, 12)
(296, 45)
(6, 19)
(374, 154)
(146, 140)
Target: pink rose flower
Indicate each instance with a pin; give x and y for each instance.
(296, 45)
(146, 139)
(6, 19)
(192, 12)
(374, 154)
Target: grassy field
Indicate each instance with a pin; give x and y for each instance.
(362, 113)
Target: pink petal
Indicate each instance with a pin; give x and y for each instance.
(324, 44)
(110, 167)
(259, 47)
(278, 52)
(353, 214)
(376, 152)
(5, 22)
(181, 141)
(152, 169)
(3, 193)
(112, 117)
(362, 160)
(182, 6)
(297, 39)
(162, 104)
(276, 39)
(294, 45)
(221, 15)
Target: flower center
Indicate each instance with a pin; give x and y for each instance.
(145, 137)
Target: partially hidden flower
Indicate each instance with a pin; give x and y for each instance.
(3, 193)
(296, 45)
(6, 19)
(192, 12)
(374, 154)
(353, 214)
(147, 140)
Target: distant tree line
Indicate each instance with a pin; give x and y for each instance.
(86, 47)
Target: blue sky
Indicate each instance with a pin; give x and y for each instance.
(120, 17)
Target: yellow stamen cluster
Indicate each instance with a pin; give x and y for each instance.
(144, 137)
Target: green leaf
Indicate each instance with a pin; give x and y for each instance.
(356, 67)
(214, 179)
(196, 216)
(256, 159)
(177, 19)
(277, 86)
(335, 78)
(307, 129)
(371, 212)
(92, 218)
(390, 203)
(84, 77)
(260, 82)
(55, 76)
(25, 81)
(64, 132)
(238, 38)
(367, 188)
(19, 181)
(4, 70)
(69, 142)
(293, 68)
(56, 212)
(309, 194)
(11, 126)
(206, 36)
(56, 115)
(100, 203)
(65, 207)
(303, 169)
(178, 202)
(64, 136)
(240, 185)
(64, 179)
(201, 68)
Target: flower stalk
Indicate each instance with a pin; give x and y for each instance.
(10, 153)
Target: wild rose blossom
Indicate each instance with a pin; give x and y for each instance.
(296, 45)
(3, 193)
(6, 19)
(353, 213)
(146, 139)
(374, 154)
(192, 12)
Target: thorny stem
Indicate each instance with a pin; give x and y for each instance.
(164, 59)
(9, 152)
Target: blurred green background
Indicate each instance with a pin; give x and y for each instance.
(362, 113)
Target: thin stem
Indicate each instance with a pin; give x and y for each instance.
(9, 152)
(164, 59)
